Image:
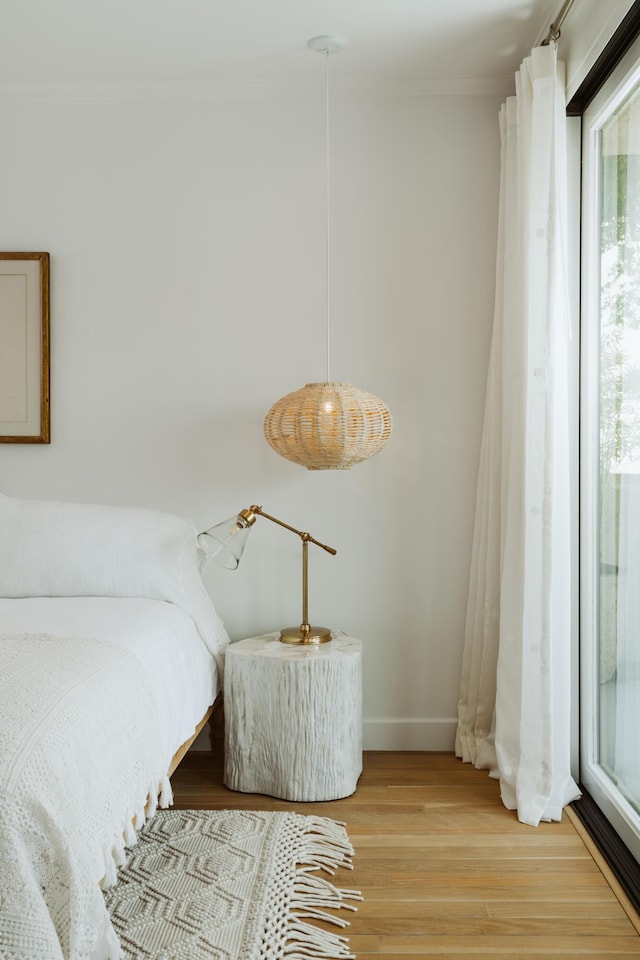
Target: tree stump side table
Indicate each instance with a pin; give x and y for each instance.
(293, 717)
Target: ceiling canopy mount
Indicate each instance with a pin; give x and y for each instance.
(327, 43)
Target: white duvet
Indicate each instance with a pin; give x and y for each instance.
(96, 695)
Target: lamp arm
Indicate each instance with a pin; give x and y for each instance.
(305, 537)
(305, 633)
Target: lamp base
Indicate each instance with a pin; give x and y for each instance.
(305, 634)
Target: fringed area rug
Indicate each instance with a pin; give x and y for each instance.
(232, 885)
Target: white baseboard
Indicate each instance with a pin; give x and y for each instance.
(421, 734)
(391, 735)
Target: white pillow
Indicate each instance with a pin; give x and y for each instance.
(54, 549)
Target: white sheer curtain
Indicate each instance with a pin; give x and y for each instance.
(513, 714)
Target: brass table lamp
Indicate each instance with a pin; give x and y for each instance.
(225, 542)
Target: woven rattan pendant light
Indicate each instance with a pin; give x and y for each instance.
(328, 425)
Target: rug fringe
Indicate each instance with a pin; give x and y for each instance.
(325, 846)
(310, 891)
(305, 940)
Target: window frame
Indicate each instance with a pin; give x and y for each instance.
(612, 94)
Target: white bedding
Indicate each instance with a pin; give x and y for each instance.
(68, 789)
(161, 635)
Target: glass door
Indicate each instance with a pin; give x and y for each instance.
(610, 451)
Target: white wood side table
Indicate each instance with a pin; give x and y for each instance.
(293, 717)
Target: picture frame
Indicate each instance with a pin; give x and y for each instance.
(24, 348)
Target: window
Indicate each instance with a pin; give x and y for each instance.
(610, 451)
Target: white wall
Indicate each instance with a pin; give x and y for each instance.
(187, 296)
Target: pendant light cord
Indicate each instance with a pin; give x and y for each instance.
(327, 216)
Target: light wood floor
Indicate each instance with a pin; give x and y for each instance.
(447, 872)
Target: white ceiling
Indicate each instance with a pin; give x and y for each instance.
(419, 45)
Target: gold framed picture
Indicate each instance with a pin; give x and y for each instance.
(24, 348)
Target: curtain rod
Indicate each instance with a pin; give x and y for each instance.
(554, 30)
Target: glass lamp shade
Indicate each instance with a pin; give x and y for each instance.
(328, 426)
(225, 541)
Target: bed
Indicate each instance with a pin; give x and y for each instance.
(111, 658)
